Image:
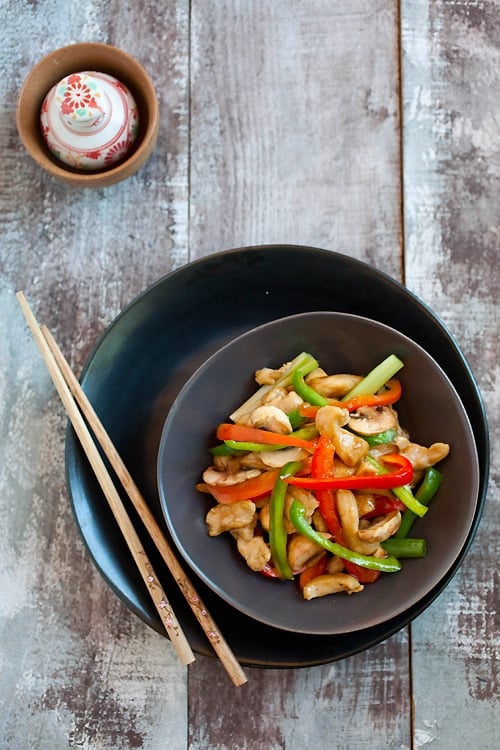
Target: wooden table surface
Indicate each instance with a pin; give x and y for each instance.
(368, 128)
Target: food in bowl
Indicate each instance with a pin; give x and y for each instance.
(315, 476)
(429, 408)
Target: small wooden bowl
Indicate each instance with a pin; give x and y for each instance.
(72, 59)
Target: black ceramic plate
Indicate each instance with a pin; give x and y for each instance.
(154, 346)
(430, 409)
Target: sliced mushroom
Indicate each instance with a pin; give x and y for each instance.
(331, 583)
(350, 448)
(273, 459)
(370, 420)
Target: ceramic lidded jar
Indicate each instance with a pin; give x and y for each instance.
(89, 120)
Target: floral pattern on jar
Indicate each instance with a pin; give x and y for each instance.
(89, 120)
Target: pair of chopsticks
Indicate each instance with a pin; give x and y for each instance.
(82, 417)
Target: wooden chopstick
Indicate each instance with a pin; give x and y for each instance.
(149, 577)
(68, 385)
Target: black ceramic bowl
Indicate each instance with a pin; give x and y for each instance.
(152, 347)
(430, 409)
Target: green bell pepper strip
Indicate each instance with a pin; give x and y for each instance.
(223, 450)
(408, 498)
(297, 515)
(405, 547)
(296, 419)
(306, 433)
(428, 488)
(380, 438)
(403, 492)
(277, 530)
(308, 394)
(237, 446)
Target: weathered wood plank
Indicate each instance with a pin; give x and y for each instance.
(294, 123)
(78, 669)
(349, 703)
(451, 82)
(294, 138)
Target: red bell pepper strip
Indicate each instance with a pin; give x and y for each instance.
(389, 395)
(328, 509)
(364, 575)
(250, 489)
(401, 476)
(403, 492)
(241, 433)
(322, 459)
(269, 571)
(308, 411)
(322, 467)
(313, 571)
(383, 505)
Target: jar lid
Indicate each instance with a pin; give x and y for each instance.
(89, 120)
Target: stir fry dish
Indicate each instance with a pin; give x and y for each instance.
(317, 480)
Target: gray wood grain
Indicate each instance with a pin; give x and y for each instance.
(280, 122)
(452, 81)
(294, 127)
(345, 704)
